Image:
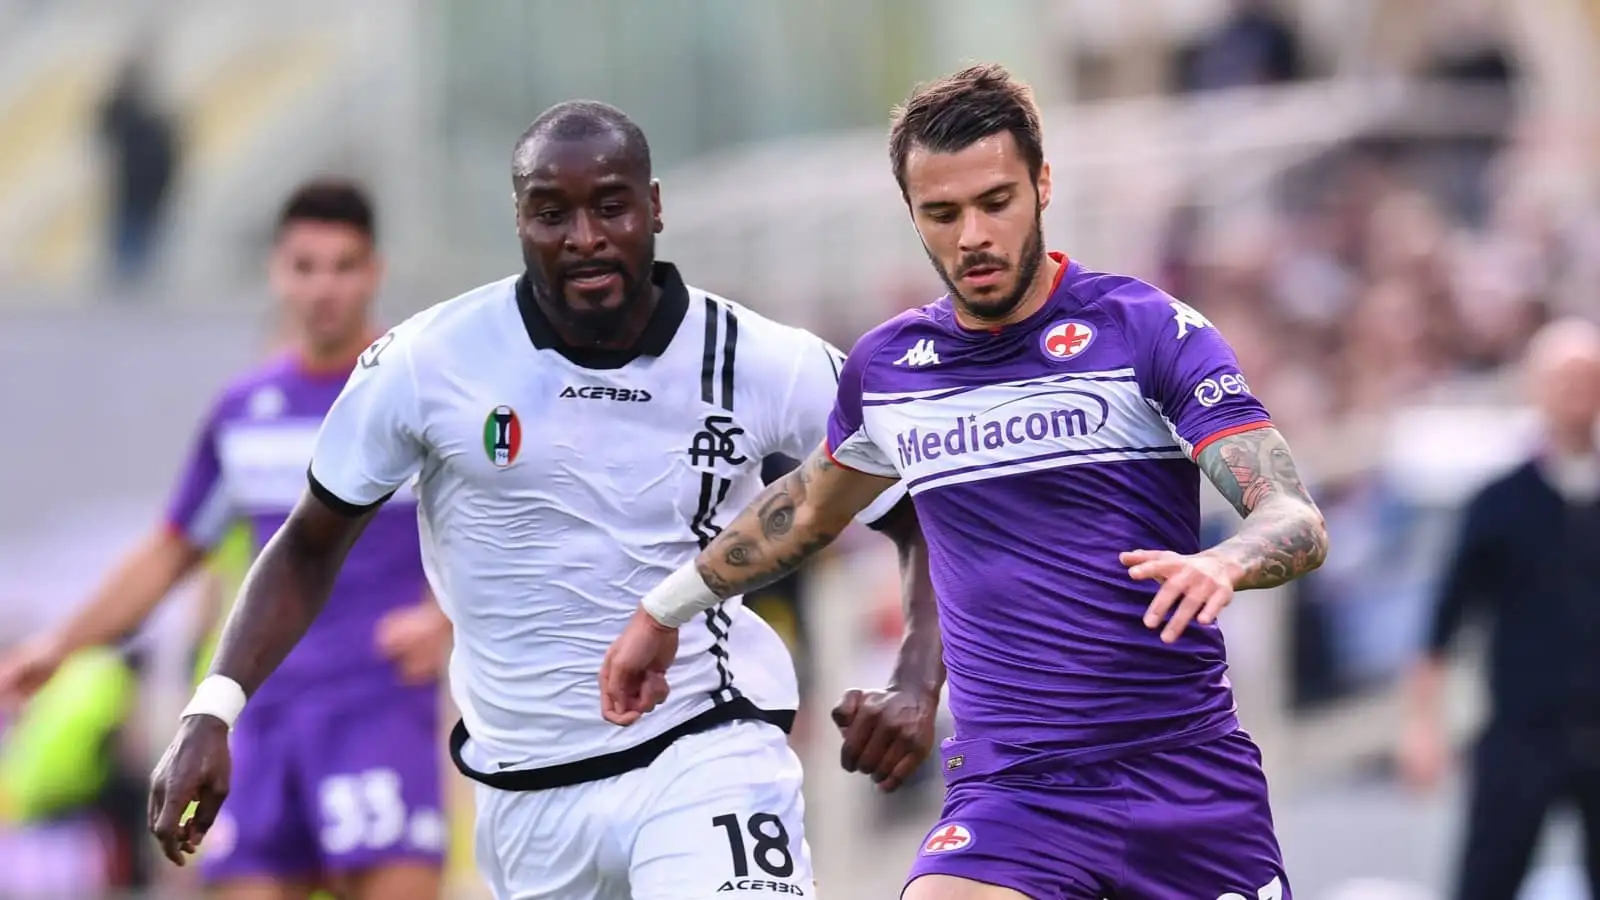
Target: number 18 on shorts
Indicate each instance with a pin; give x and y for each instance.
(719, 814)
(765, 863)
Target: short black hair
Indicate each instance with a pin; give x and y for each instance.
(573, 120)
(957, 111)
(332, 200)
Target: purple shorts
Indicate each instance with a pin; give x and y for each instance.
(329, 789)
(1187, 822)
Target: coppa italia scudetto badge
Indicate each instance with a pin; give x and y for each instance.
(502, 436)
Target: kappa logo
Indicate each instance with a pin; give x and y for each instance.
(948, 839)
(920, 354)
(502, 436)
(1187, 318)
(268, 403)
(1065, 340)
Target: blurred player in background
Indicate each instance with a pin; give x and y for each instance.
(579, 431)
(337, 777)
(1051, 423)
(1528, 558)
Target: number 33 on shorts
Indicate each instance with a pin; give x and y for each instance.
(367, 811)
(762, 860)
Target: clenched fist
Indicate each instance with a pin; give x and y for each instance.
(887, 734)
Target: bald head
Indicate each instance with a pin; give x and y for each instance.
(576, 121)
(1563, 369)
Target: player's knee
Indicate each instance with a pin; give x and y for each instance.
(950, 887)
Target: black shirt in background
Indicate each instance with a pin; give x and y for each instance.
(1530, 561)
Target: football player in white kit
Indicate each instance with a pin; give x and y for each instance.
(576, 433)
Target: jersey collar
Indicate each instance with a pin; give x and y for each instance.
(657, 336)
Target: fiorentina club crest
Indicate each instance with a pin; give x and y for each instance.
(502, 436)
(1067, 339)
(946, 839)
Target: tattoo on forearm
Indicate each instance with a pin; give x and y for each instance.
(1283, 536)
(762, 544)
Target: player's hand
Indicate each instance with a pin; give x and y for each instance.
(633, 678)
(417, 638)
(887, 734)
(1193, 588)
(27, 668)
(1423, 755)
(194, 770)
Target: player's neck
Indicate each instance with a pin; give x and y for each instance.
(1037, 294)
(335, 359)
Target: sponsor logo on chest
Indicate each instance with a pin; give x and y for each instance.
(1013, 427)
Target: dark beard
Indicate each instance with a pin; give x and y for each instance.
(588, 327)
(991, 311)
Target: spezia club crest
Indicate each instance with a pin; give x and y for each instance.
(502, 436)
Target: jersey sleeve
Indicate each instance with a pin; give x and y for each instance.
(849, 445)
(1188, 369)
(200, 508)
(368, 445)
(811, 402)
(811, 393)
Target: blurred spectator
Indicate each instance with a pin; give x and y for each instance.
(1254, 45)
(1528, 557)
(1468, 52)
(142, 140)
(71, 801)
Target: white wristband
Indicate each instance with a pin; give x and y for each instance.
(219, 696)
(679, 597)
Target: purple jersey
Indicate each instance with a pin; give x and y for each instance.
(249, 463)
(1035, 455)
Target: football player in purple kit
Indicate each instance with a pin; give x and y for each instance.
(1051, 423)
(337, 778)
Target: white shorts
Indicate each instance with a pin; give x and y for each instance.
(719, 814)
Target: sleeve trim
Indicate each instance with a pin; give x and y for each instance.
(1228, 432)
(340, 505)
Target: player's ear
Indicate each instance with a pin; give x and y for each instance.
(655, 206)
(1043, 184)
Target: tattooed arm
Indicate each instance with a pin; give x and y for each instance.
(1283, 536)
(795, 517)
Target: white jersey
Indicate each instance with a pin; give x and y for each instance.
(557, 485)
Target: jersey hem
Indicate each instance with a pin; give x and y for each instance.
(610, 765)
